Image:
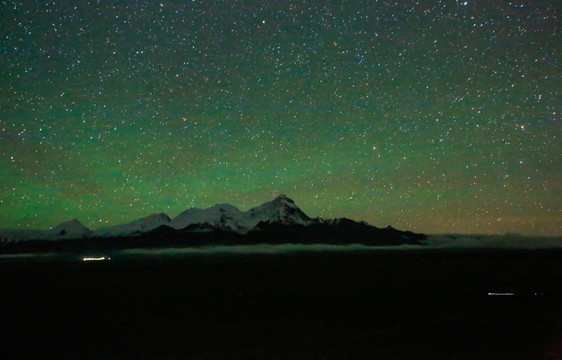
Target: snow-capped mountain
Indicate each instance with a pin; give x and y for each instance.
(223, 216)
(140, 226)
(69, 229)
(281, 210)
(279, 221)
(227, 217)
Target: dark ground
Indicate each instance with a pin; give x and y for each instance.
(378, 305)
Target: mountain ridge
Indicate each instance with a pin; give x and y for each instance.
(277, 221)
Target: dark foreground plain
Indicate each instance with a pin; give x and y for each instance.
(350, 305)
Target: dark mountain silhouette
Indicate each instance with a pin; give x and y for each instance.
(279, 221)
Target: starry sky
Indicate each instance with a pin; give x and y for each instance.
(433, 116)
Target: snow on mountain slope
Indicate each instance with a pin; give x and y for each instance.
(136, 227)
(223, 216)
(227, 217)
(69, 229)
(282, 210)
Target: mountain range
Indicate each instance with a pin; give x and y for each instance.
(276, 221)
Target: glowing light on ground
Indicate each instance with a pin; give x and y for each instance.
(102, 258)
(500, 294)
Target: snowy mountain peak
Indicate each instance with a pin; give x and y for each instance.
(158, 217)
(224, 217)
(142, 225)
(281, 209)
(71, 228)
(279, 218)
(221, 215)
(230, 218)
(152, 221)
(283, 197)
(280, 201)
(285, 201)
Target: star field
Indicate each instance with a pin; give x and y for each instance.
(432, 116)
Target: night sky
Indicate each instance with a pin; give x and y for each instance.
(432, 116)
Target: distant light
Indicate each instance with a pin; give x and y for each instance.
(500, 294)
(103, 258)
